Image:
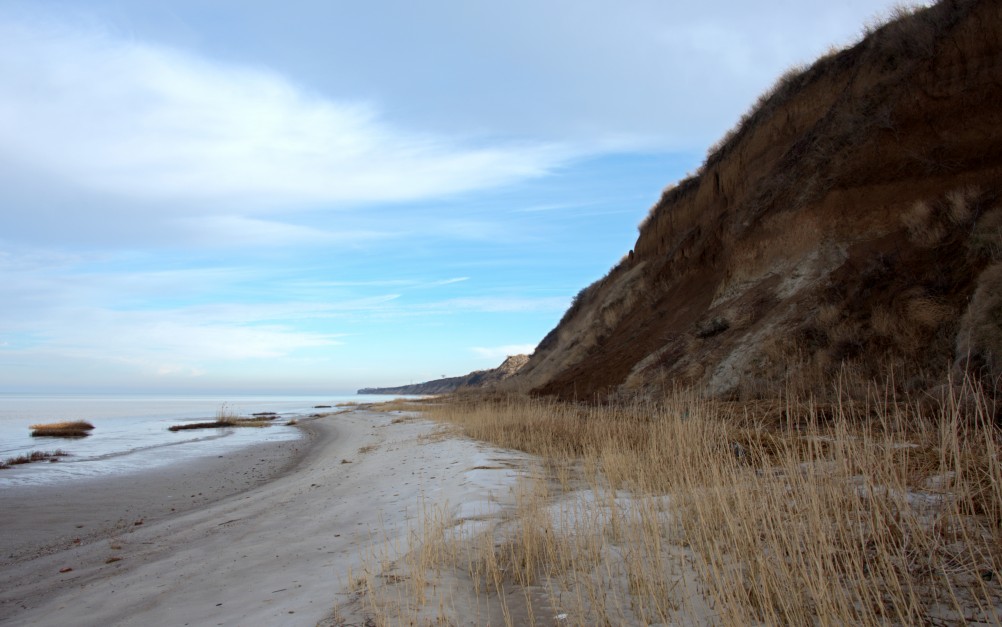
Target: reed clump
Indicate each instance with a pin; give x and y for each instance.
(226, 418)
(67, 429)
(34, 456)
(695, 511)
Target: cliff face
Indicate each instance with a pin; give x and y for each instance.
(477, 379)
(850, 226)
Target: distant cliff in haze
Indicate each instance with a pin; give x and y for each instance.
(477, 379)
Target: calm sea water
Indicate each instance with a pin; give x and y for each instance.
(131, 431)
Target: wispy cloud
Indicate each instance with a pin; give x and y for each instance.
(240, 231)
(501, 304)
(150, 122)
(444, 282)
(557, 206)
(162, 342)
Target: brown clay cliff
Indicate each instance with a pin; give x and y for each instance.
(850, 226)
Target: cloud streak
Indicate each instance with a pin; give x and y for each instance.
(149, 122)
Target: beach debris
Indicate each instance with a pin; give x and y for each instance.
(137, 523)
(113, 559)
(345, 461)
(65, 569)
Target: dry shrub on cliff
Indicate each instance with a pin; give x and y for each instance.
(923, 228)
(928, 312)
(962, 202)
(768, 513)
(979, 342)
(986, 237)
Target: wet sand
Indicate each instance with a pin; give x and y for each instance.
(36, 520)
(264, 536)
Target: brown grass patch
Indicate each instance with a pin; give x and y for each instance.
(402, 404)
(69, 429)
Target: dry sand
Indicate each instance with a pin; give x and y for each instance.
(265, 536)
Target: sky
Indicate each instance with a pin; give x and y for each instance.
(240, 196)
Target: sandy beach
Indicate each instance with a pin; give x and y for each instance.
(264, 536)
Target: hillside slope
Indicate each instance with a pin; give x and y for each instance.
(850, 226)
(476, 379)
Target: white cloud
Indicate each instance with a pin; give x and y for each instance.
(459, 279)
(154, 123)
(234, 230)
(165, 341)
(500, 352)
(499, 304)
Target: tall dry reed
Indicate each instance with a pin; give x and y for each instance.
(704, 512)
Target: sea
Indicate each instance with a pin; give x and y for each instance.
(131, 431)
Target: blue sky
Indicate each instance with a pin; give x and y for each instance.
(243, 196)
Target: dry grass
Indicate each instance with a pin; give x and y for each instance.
(69, 429)
(402, 404)
(691, 511)
(34, 456)
(922, 226)
(961, 203)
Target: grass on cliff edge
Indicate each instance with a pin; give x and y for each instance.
(695, 511)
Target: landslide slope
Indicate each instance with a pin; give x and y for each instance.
(851, 225)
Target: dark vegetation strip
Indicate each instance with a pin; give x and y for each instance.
(34, 456)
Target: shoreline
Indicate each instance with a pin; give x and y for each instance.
(279, 550)
(41, 519)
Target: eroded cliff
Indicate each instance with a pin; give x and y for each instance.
(850, 226)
